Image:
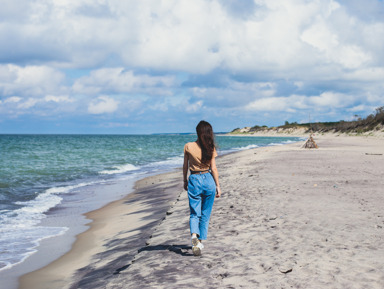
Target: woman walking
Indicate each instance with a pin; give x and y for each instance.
(202, 184)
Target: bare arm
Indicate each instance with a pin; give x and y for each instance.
(185, 171)
(215, 175)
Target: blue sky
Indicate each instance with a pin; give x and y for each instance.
(152, 66)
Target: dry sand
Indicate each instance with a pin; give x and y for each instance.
(289, 218)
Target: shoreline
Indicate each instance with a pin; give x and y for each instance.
(137, 208)
(62, 273)
(48, 251)
(52, 274)
(142, 240)
(73, 217)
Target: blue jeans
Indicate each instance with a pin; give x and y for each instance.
(201, 195)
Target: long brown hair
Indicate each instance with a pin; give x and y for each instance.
(206, 140)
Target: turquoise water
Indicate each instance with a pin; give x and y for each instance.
(41, 172)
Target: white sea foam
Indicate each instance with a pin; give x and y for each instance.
(290, 141)
(282, 143)
(119, 169)
(169, 163)
(248, 147)
(66, 189)
(20, 234)
(18, 245)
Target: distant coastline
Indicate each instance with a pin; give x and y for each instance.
(372, 125)
(300, 132)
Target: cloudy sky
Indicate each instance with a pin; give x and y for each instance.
(147, 66)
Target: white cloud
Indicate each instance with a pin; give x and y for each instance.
(330, 99)
(292, 103)
(194, 107)
(117, 80)
(320, 37)
(200, 91)
(284, 55)
(103, 104)
(323, 39)
(233, 94)
(63, 98)
(30, 102)
(359, 108)
(194, 36)
(29, 80)
(369, 75)
(12, 99)
(43, 106)
(269, 104)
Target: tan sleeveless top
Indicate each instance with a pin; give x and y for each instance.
(193, 150)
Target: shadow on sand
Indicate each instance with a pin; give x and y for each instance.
(178, 249)
(182, 250)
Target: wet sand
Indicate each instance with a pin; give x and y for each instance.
(288, 218)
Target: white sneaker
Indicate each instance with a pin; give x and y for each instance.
(195, 241)
(196, 249)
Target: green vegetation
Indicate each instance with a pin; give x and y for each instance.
(372, 122)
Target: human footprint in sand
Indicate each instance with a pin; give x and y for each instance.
(202, 184)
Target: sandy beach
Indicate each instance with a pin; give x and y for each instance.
(288, 218)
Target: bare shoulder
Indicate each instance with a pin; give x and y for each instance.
(191, 144)
(188, 146)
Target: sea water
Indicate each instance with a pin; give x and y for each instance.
(41, 173)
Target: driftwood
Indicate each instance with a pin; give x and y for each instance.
(310, 143)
